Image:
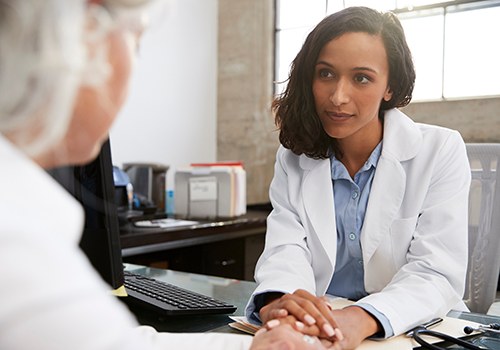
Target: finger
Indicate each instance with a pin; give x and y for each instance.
(260, 331)
(314, 307)
(284, 337)
(323, 306)
(277, 313)
(326, 343)
(309, 330)
(291, 302)
(272, 310)
(307, 308)
(338, 334)
(272, 324)
(299, 326)
(299, 307)
(326, 300)
(289, 320)
(313, 330)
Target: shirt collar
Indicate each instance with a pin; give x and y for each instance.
(339, 171)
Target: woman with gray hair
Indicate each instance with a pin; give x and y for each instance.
(64, 69)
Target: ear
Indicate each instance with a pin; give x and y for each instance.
(388, 94)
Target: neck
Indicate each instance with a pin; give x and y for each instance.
(357, 149)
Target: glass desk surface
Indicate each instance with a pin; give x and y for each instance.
(229, 290)
(233, 291)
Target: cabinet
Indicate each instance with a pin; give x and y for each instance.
(229, 248)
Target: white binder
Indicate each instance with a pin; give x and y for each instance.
(210, 191)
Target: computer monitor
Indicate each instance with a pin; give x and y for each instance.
(93, 186)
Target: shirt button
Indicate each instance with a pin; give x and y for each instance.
(360, 262)
(354, 195)
(352, 236)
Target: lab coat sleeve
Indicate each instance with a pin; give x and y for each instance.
(285, 264)
(191, 341)
(63, 305)
(52, 298)
(432, 280)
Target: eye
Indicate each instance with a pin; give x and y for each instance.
(325, 73)
(362, 79)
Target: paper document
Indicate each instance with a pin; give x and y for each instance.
(165, 223)
(240, 323)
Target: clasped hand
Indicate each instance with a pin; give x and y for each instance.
(313, 316)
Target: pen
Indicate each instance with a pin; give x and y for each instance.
(426, 325)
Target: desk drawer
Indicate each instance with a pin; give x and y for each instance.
(225, 258)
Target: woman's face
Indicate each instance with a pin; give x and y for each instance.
(350, 81)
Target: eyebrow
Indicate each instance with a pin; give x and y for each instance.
(355, 68)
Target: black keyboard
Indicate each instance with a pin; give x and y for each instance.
(171, 300)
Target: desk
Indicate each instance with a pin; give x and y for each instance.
(226, 247)
(231, 290)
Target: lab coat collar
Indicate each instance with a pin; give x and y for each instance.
(402, 137)
(398, 127)
(402, 141)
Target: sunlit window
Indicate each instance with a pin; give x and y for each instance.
(454, 43)
(427, 51)
(299, 13)
(472, 53)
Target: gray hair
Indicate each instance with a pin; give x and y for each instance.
(43, 62)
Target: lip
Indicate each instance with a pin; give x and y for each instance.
(338, 116)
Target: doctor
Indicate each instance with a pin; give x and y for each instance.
(367, 204)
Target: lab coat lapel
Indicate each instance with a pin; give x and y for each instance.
(386, 196)
(317, 192)
(402, 140)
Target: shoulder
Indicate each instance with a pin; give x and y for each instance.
(405, 139)
(289, 160)
(442, 143)
(439, 133)
(430, 131)
(29, 192)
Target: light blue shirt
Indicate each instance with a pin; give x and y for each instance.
(351, 198)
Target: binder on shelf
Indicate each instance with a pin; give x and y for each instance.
(210, 190)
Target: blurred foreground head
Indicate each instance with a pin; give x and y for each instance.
(64, 70)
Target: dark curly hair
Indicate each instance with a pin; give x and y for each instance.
(300, 128)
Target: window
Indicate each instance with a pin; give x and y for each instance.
(454, 43)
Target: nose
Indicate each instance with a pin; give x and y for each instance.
(340, 93)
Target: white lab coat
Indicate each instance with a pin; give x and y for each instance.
(414, 237)
(50, 296)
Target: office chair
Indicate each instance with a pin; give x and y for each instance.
(484, 226)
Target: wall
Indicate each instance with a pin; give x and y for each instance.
(246, 129)
(202, 91)
(171, 114)
(478, 120)
(203, 88)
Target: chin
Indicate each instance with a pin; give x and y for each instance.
(82, 156)
(61, 156)
(87, 157)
